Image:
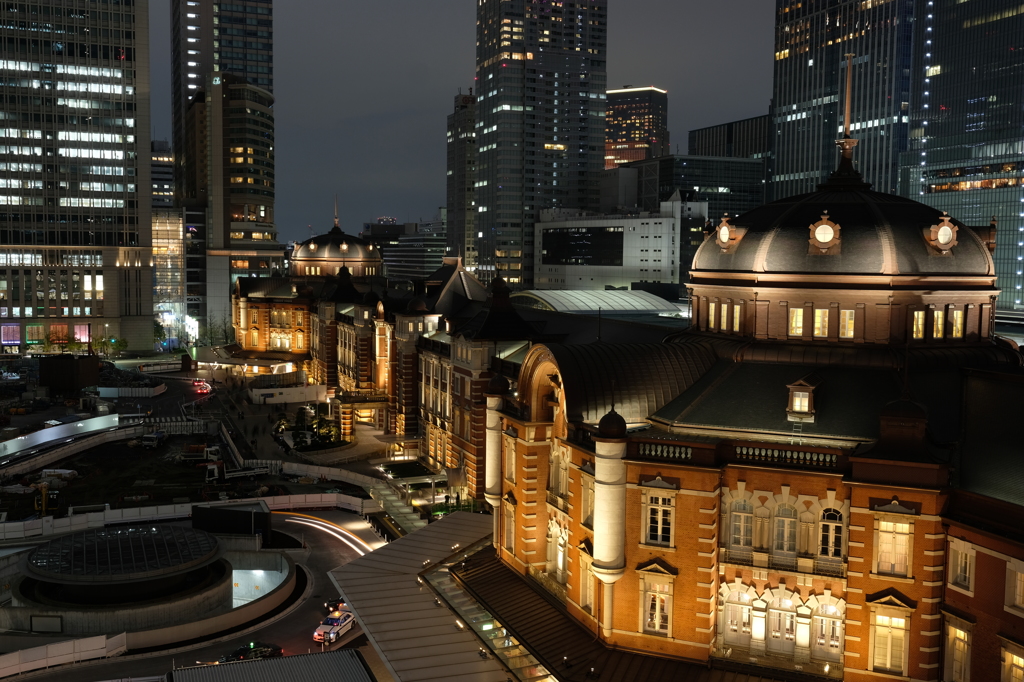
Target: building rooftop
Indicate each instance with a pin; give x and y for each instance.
(608, 301)
(340, 665)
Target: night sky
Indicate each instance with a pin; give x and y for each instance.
(363, 90)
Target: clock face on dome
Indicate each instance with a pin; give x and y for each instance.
(824, 233)
(945, 235)
(723, 233)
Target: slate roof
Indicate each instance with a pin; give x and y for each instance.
(612, 301)
(638, 378)
(992, 461)
(878, 233)
(341, 665)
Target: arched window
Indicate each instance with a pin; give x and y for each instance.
(737, 619)
(831, 534)
(827, 633)
(742, 524)
(785, 529)
(782, 626)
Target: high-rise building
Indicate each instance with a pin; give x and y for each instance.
(811, 41)
(162, 174)
(966, 118)
(209, 37)
(727, 185)
(636, 127)
(75, 235)
(461, 180)
(169, 275)
(241, 238)
(749, 138)
(416, 256)
(540, 85)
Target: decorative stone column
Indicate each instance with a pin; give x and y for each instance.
(496, 389)
(609, 563)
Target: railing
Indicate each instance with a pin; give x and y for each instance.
(831, 568)
(368, 397)
(662, 450)
(823, 460)
(557, 501)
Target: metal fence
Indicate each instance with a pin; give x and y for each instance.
(60, 653)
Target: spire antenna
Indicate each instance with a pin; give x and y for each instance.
(846, 175)
(336, 210)
(849, 91)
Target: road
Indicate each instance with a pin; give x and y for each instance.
(293, 632)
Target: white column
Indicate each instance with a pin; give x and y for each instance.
(609, 520)
(492, 462)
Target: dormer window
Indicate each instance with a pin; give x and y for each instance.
(824, 237)
(801, 399)
(942, 236)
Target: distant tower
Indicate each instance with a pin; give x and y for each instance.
(540, 86)
(636, 126)
(461, 179)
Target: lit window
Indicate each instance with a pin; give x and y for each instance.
(890, 634)
(796, 322)
(918, 331)
(957, 318)
(831, 534)
(957, 655)
(846, 324)
(781, 626)
(711, 315)
(723, 323)
(1016, 669)
(254, 339)
(659, 520)
(821, 322)
(658, 601)
(961, 564)
(828, 633)
(801, 401)
(738, 619)
(736, 315)
(893, 548)
(939, 321)
(742, 524)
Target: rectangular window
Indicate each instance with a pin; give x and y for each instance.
(821, 322)
(723, 323)
(801, 401)
(82, 333)
(796, 322)
(918, 331)
(659, 520)
(298, 319)
(737, 315)
(742, 529)
(961, 569)
(588, 501)
(846, 324)
(889, 637)
(254, 339)
(1016, 668)
(893, 548)
(658, 600)
(957, 318)
(509, 527)
(254, 317)
(785, 534)
(586, 583)
(938, 324)
(510, 465)
(711, 315)
(1018, 594)
(959, 655)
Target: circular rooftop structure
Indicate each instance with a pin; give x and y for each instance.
(326, 254)
(608, 301)
(122, 555)
(844, 229)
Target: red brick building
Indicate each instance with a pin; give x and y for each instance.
(820, 478)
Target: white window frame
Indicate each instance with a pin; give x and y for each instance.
(829, 531)
(888, 532)
(795, 324)
(780, 629)
(784, 531)
(847, 323)
(587, 490)
(510, 461)
(659, 501)
(508, 535)
(821, 323)
(1014, 602)
(741, 525)
(657, 592)
(739, 619)
(802, 401)
(827, 633)
(586, 582)
(962, 556)
(1012, 662)
(957, 659)
(885, 624)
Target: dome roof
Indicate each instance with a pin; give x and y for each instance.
(874, 233)
(612, 425)
(336, 245)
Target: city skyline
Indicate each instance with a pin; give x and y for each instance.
(393, 160)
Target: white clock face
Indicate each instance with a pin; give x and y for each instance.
(945, 235)
(723, 233)
(824, 233)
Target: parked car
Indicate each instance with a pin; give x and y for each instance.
(332, 605)
(334, 626)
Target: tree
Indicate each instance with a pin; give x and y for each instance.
(159, 333)
(101, 345)
(118, 346)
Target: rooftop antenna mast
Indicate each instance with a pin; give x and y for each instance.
(847, 143)
(336, 211)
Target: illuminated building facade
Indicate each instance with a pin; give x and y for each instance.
(162, 175)
(75, 233)
(966, 117)
(461, 185)
(817, 479)
(169, 275)
(810, 43)
(214, 37)
(636, 127)
(540, 109)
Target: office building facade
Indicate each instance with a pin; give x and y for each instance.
(75, 259)
(728, 185)
(636, 126)
(749, 138)
(810, 71)
(212, 37)
(416, 256)
(169, 275)
(540, 112)
(461, 240)
(966, 116)
(162, 174)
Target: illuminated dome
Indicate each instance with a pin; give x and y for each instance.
(326, 254)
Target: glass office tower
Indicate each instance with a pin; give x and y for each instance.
(75, 235)
(967, 124)
(811, 39)
(540, 110)
(636, 127)
(461, 181)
